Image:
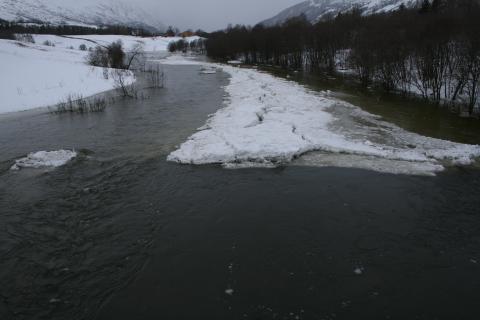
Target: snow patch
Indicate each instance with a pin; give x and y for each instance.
(358, 271)
(43, 159)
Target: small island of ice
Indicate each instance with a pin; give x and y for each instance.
(43, 159)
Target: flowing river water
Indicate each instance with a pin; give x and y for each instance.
(119, 233)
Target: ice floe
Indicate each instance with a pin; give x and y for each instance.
(208, 70)
(43, 159)
(269, 121)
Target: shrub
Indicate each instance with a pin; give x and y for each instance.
(48, 43)
(98, 57)
(112, 56)
(6, 34)
(78, 104)
(83, 47)
(155, 77)
(25, 37)
(116, 55)
(180, 45)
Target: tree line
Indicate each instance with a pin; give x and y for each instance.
(432, 50)
(8, 29)
(182, 45)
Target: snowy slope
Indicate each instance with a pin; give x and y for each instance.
(316, 10)
(35, 76)
(151, 44)
(83, 13)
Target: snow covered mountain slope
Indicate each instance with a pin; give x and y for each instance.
(316, 10)
(85, 12)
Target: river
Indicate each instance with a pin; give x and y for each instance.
(119, 233)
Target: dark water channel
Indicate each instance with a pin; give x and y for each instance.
(119, 233)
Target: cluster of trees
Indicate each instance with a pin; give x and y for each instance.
(174, 32)
(111, 56)
(8, 29)
(196, 46)
(119, 64)
(5, 33)
(432, 50)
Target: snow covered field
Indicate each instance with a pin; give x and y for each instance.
(37, 75)
(149, 44)
(268, 121)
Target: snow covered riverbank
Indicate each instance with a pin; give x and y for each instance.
(270, 121)
(36, 75)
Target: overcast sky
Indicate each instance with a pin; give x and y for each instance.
(214, 14)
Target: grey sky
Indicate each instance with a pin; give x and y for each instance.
(214, 14)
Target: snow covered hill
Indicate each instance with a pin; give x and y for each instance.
(316, 10)
(82, 13)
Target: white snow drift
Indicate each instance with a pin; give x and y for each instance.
(34, 76)
(37, 75)
(269, 121)
(42, 159)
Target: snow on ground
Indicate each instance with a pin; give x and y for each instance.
(150, 44)
(38, 75)
(34, 75)
(182, 60)
(269, 121)
(42, 159)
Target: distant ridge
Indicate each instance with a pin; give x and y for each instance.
(79, 12)
(316, 10)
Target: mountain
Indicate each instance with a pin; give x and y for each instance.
(79, 12)
(316, 10)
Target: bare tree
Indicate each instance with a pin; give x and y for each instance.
(136, 58)
(120, 78)
(156, 76)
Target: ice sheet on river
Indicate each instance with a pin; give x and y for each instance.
(42, 159)
(268, 120)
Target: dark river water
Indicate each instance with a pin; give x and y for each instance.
(119, 233)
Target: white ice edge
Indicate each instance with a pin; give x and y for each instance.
(42, 159)
(268, 120)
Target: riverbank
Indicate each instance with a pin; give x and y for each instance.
(44, 70)
(409, 112)
(35, 76)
